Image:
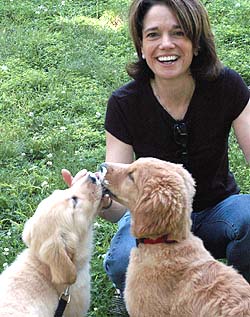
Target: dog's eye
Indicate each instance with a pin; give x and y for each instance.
(74, 200)
(131, 177)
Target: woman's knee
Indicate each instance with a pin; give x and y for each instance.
(116, 266)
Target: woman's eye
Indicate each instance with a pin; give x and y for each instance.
(179, 33)
(152, 35)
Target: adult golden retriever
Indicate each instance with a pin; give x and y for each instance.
(59, 240)
(170, 273)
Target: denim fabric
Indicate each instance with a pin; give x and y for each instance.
(224, 229)
(116, 259)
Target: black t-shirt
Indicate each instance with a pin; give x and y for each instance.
(135, 117)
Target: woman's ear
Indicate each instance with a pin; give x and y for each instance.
(196, 51)
(142, 53)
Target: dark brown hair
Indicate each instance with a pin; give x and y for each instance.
(193, 19)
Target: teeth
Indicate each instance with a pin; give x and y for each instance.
(105, 182)
(167, 58)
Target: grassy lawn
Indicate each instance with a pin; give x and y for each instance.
(59, 62)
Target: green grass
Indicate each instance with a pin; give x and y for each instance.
(59, 62)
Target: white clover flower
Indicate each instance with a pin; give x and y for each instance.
(44, 184)
(9, 233)
(4, 68)
(31, 114)
(237, 5)
(63, 128)
(63, 92)
(98, 115)
(42, 7)
(6, 251)
(49, 163)
(23, 154)
(63, 3)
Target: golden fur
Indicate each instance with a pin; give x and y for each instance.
(179, 279)
(59, 241)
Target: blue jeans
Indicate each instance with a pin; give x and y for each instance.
(224, 229)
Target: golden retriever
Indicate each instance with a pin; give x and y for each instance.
(59, 241)
(170, 273)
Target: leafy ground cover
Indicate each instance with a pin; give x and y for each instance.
(59, 62)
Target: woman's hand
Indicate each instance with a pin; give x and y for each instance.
(106, 202)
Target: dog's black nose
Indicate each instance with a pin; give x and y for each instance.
(103, 168)
(92, 177)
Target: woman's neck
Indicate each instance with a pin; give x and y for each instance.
(174, 96)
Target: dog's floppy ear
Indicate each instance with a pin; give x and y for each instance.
(58, 253)
(161, 209)
(57, 250)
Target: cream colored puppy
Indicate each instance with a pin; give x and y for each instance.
(59, 241)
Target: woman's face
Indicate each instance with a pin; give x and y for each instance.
(168, 52)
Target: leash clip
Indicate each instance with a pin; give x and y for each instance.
(65, 295)
(64, 299)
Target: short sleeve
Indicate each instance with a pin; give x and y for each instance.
(116, 121)
(236, 93)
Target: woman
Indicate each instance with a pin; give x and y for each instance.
(180, 108)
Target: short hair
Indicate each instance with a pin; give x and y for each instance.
(193, 19)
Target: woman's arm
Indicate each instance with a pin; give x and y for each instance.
(241, 127)
(117, 152)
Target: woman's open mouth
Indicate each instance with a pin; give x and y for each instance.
(168, 59)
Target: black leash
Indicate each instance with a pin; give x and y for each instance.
(63, 301)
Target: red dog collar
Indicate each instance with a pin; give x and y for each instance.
(163, 239)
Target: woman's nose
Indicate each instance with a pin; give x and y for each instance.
(166, 42)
